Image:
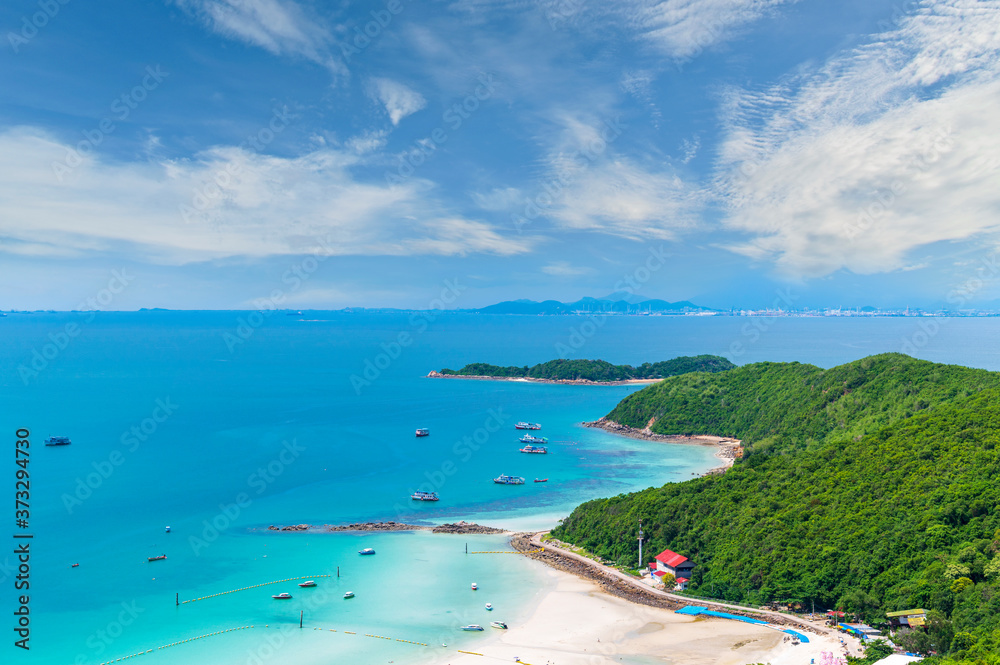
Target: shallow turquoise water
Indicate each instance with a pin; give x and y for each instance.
(275, 431)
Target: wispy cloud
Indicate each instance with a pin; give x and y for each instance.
(565, 269)
(281, 27)
(884, 149)
(224, 202)
(399, 101)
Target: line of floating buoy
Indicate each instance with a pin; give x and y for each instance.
(471, 653)
(381, 637)
(255, 586)
(178, 643)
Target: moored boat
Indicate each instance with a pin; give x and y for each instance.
(168, 529)
(538, 450)
(423, 431)
(282, 596)
(349, 594)
(307, 583)
(524, 425)
(366, 551)
(504, 479)
(499, 624)
(541, 480)
(424, 496)
(489, 607)
(528, 438)
(474, 586)
(57, 441)
(157, 558)
(472, 626)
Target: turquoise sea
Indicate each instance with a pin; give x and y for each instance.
(220, 424)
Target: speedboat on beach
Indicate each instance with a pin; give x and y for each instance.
(366, 551)
(282, 596)
(472, 626)
(349, 594)
(499, 624)
(307, 583)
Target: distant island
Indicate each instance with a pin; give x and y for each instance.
(613, 304)
(592, 371)
(871, 488)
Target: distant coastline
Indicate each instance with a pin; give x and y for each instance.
(525, 379)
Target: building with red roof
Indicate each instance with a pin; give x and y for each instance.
(676, 564)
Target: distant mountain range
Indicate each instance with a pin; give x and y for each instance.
(616, 303)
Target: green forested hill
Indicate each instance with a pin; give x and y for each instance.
(872, 486)
(598, 370)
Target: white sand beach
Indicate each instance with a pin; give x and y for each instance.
(577, 624)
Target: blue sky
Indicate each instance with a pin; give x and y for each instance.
(217, 152)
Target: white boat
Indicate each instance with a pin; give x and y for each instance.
(168, 529)
(366, 551)
(420, 495)
(423, 431)
(307, 583)
(489, 607)
(499, 624)
(472, 626)
(282, 596)
(474, 586)
(504, 479)
(523, 425)
(349, 594)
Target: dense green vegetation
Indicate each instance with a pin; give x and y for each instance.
(871, 487)
(598, 370)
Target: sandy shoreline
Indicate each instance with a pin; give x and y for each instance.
(525, 379)
(728, 449)
(576, 624)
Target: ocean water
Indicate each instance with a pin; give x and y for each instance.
(220, 424)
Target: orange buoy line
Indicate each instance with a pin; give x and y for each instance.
(255, 586)
(174, 644)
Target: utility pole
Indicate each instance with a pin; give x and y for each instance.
(640, 545)
(301, 613)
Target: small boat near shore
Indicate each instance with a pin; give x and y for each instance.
(472, 626)
(503, 479)
(307, 583)
(424, 496)
(528, 438)
(489, 607)
(282, 596)
(366, 551)
(57, 441)
(524, 425)
(349, 594)
(538, 450)
(423, 431)
(474, 586)
(499, 624)
(157, 558)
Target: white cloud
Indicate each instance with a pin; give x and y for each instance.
(499, 199)
(887, 148)
(280, 27)
(225, 202)
(399, 100)
(565, 269)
